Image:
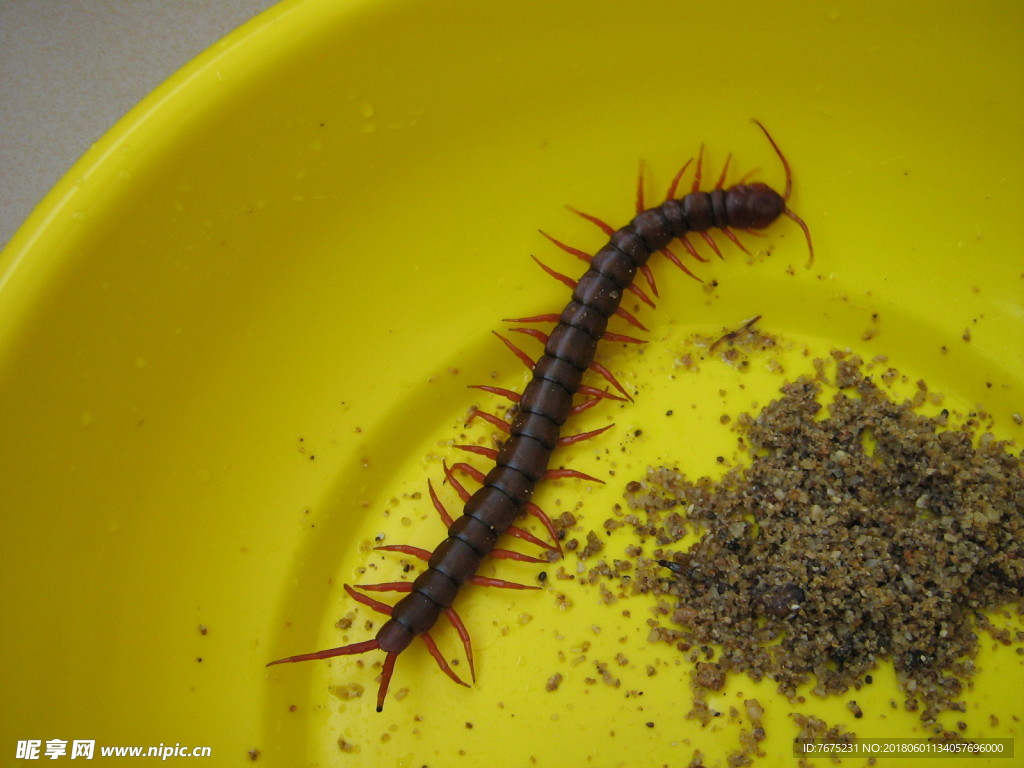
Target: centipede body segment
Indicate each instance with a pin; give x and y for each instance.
(547, 402)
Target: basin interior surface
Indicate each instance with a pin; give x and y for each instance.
(237, 341)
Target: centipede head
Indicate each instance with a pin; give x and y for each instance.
(753, 206)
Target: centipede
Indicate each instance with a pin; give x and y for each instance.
(555, 392)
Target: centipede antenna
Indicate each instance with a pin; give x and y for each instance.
(807, 234)
(782, 157)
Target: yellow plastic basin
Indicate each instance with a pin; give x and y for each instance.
(236, 339)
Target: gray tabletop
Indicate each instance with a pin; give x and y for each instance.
(70, 70)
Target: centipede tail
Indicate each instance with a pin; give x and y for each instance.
(548, 400)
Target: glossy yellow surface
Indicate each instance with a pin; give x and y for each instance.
(235, 342)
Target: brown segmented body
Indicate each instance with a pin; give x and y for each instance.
(546, 403)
